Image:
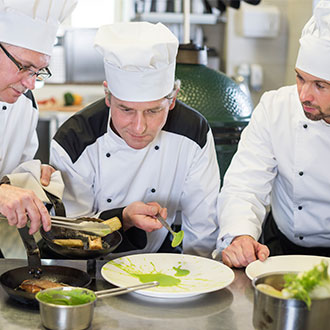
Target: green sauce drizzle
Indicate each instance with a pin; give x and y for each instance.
(181, 272)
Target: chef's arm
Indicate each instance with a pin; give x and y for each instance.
(245, 196)
(78, 178)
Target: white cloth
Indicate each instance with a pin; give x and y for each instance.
(283, 160)
(19, 141)
(172, 170)
(33, 24)
(139, 59)
(314, 52)
(27, 176)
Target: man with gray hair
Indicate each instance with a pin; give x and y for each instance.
(27, 35)
(138, 152)
(283, 162)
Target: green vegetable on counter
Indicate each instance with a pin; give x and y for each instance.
(68, 99)
(72, 99)
(301, 285)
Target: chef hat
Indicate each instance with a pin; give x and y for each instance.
(33, 24)
(139, 59)
(314, 52)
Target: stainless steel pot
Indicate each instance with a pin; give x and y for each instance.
(78, 316)
(272, 313)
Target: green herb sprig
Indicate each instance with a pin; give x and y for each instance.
(300, 285)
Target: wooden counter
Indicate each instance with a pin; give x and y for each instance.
(61, 108)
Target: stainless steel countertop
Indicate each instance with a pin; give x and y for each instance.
(227, 309)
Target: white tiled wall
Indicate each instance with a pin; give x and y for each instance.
(299, 12)
(275, 55)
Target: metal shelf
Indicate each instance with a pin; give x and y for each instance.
(177, 18)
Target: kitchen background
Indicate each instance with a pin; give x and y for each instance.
(261, 40)
(254, 44)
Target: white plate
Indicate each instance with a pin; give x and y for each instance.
(287, 263)
(200, 275)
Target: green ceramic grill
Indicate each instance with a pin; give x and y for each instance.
(217, 97)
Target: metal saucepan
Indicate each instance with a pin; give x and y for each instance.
(272, 313)
(12, 279)
(109, 243)
(73, 308)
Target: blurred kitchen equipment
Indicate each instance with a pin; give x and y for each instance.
(213, 94)
(76, 317)
(226, 107)
(83, 64)
(57, 64)
(222, 4)
(258, 22)
(243, 78)
(272, 313)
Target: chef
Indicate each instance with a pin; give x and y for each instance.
(27, 34)
(283, 162)
(138, 152)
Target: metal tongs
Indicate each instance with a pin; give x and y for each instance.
(90, 226)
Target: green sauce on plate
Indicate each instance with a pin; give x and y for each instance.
(181, 272)
(162, 279)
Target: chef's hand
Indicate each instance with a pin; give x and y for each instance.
(16, 203)
(243, 250)
(142, 215)
(46, 173)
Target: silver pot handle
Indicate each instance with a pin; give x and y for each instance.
(119, 291)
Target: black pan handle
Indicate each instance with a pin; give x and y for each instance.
(57, 204)
(32, 250)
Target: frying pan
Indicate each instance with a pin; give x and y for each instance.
(109, 243)
(11, 280)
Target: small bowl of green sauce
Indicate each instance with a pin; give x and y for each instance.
(66, 307)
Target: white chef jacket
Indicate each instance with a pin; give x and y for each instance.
(282, 160)
(178, 170)
(18, 136)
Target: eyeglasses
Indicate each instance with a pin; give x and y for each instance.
(41, 75)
